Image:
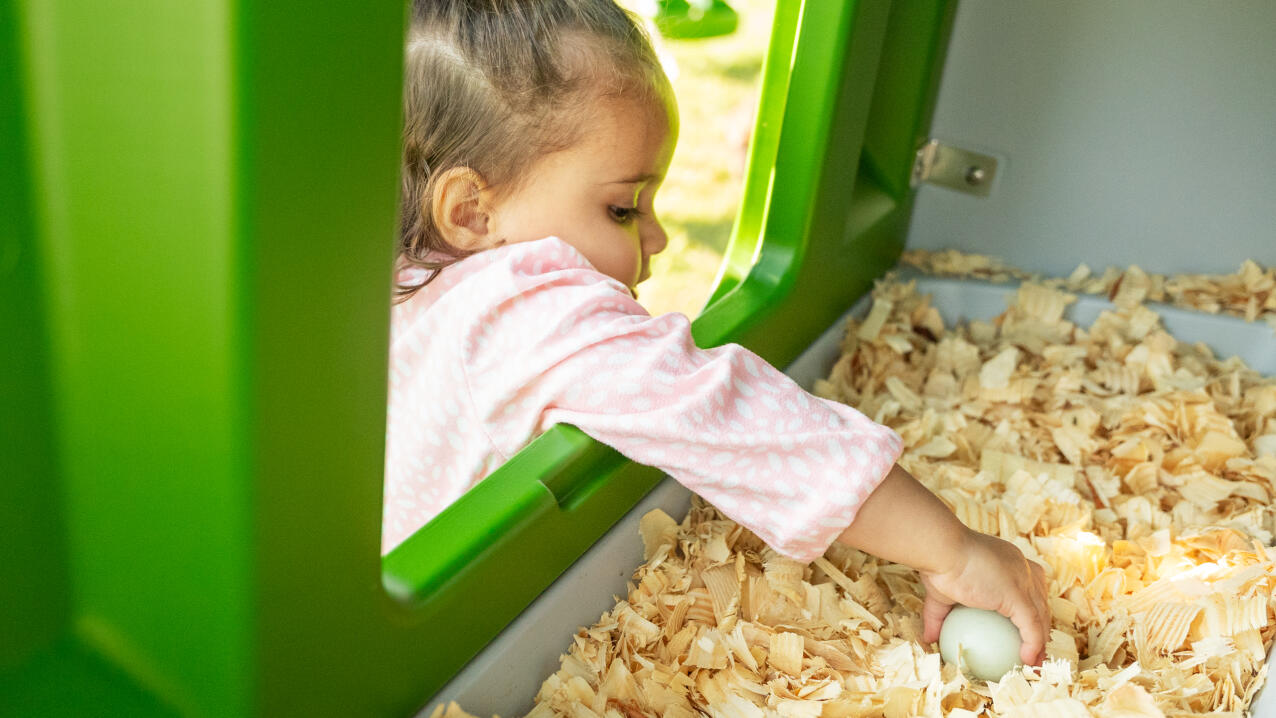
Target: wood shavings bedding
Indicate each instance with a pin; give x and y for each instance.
(1250, 292)
(1138, 470)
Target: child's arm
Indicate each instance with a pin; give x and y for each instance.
(565, 344)
(903, 522)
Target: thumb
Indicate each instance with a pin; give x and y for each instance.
(934, 610)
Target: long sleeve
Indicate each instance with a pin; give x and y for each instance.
(569, 345)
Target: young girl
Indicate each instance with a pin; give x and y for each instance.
(537, 134)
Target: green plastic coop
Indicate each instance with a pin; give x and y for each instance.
(197, 210)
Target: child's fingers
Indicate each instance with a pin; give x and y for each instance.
(934, 610)
(1032, 617)
(1028, 621)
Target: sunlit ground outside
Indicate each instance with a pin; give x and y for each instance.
(716, 82)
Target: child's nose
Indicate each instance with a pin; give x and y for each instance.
(655, 239)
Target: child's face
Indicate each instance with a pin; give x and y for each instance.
(598, 195)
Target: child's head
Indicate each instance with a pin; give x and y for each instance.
(530, 118)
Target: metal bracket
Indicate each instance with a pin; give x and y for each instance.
(954, 168)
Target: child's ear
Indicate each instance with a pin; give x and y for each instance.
(458, 209)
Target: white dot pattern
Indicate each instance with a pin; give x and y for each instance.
(507, 343)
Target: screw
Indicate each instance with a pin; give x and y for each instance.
(975, 175)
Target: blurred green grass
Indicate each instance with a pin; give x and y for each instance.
(716, 83)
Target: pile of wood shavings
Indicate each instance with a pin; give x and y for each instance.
(1137, 469)
(1250, 292)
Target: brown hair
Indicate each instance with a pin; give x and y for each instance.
(494, 85)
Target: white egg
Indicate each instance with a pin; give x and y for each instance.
(987, 642)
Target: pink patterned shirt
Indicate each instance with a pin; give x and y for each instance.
(511, 341)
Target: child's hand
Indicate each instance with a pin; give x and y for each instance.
(903, 522)
(992, 574)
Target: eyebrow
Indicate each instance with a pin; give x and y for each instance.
(637, 179)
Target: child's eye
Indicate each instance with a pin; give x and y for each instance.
(623, 215)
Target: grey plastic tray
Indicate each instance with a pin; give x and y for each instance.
(504, 678)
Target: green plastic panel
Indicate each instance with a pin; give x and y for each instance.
(34, 587)
(196, 222)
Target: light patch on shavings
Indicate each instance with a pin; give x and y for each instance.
(658, 530)
(996, 372)
(1164, 628)
(1130, 700)
(877, 316)
(785, 654)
